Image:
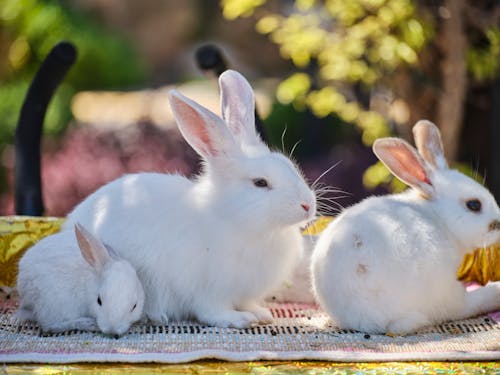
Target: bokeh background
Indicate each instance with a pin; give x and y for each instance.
(331, 76)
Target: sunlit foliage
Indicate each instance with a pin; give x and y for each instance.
(484, 62)
(352, 42)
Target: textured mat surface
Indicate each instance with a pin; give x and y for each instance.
(299, 332)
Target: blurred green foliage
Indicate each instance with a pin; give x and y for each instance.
(28, 30)
(484, 62)
(352, 42)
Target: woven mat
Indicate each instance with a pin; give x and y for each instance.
(299, 332)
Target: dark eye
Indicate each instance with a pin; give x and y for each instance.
(473, 205)
(99, 302)
(133, 307)
(260, 182)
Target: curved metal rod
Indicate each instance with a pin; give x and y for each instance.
(28, 187)
(211, 62)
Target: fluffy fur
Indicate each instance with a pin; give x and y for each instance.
(59, 286)
(209, 248)
(388, 264)
(297, 288)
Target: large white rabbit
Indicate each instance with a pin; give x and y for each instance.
(388, 264)
(67, 282)
(209, 248)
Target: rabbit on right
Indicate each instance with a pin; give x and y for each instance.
(388, 264)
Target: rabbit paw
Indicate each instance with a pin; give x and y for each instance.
(407, 324)
(85, 324)
(24, 314)
(81, 324)
(157, 318)
(482, 300)
(261, 313)
(230, 318)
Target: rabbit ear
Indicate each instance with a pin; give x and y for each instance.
(201, 128)
(238, 106)
(405, 163)
(429, 144)
(93, 250)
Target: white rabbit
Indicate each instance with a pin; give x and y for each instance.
(212, 247)
(62, 288)
(388, 264)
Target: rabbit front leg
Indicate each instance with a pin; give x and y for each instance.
(482, 300)
(410, 323)
(157, 318)
(81, 324)
(226, 318)
(263, 314)
(25, 313)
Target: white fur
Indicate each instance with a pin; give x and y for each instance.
(297, 288)
(388, 264)
(209, 248)
(58, 287)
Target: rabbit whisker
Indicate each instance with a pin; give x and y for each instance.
(283, 139)
(324, 173)
(322, 192)
(294, 147)
(331, 200)
(322, 186)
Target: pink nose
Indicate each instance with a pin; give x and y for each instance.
(305, 207)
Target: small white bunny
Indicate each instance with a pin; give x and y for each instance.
(388, 264)
(209, 248)
(62, 288)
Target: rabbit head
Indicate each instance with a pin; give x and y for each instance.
(242, 177)
(118, 300)
(463, 207)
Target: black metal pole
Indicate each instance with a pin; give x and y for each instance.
(494, 172)
(211, 62)
(28, 187)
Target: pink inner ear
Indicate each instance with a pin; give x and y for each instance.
(85, 247)
(408, 164)
(196, 126)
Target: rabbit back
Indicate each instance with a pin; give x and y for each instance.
(386, 256)
(172, 263)
(50, 277)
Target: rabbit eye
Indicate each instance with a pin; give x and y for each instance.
(133, 307)
(99, 302)
(260, 182)
(473, 205)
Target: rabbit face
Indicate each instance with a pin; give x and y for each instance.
(467, 209)
(120, 299)
(268, 188)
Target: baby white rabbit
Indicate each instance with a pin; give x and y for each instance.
(388, 264)
(209, 248)
(62, 288)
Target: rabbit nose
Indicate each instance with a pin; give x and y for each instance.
(494, 225)
(306, 207)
